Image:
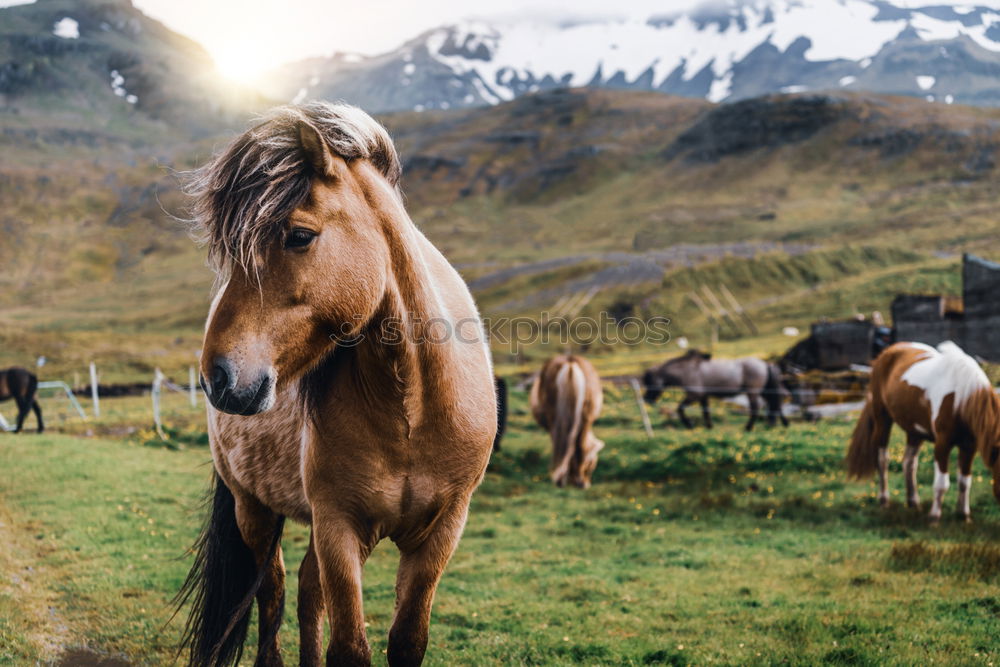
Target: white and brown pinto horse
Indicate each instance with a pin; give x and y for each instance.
(565, 400)
(350, 385)
(938, 395)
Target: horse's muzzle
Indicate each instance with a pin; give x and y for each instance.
(227, 394)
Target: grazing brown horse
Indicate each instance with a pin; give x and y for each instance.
(703, 377)
(938, 395)
(21, 385)
(350, 385)
(565, 400)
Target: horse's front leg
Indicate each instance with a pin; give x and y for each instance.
(310, 610)
(259, 527)
(688, 400)
(340, 555)
(942, 450)
(706, 413)
(965, 458)
(420, 569)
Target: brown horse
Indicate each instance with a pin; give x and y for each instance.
(350, 384)
(21, 385)
(565, 400)
(703, 377)
(939, 395)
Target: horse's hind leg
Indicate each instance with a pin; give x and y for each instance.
(420, 570)
(259, 527)
(910, 460)
(310, 611)
(754, 400)
(23, 408)
(38, 415)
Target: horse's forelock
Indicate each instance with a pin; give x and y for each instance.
(245, 193)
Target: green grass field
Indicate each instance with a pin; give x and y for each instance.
(693, 547)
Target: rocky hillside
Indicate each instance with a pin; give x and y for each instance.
(719, 51)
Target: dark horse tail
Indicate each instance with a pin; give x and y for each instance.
(773, 393)
(221, 586)
(862, 454)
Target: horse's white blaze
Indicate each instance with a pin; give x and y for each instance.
(941, 484)
(947, 370)
(964, 487)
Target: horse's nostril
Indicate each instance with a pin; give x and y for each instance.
(220, 377)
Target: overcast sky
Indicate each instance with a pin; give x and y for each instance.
(264, 33)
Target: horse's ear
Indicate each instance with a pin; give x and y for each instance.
(315, 149)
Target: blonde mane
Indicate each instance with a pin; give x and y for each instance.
(245, 193)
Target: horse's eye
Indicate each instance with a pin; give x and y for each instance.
(299, 238)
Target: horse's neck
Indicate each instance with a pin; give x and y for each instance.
(412, 358)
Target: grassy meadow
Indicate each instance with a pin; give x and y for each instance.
(693, 547)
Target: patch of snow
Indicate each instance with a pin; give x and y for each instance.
(794, 89)
(925, 82)
(313, 81)
(445, 105)
(929, 98)
(720, 88)
(469, 99)
(117, 83)
(118, 87)
(949, 99)
(931, 29)
(847, 80)
(418, 107)
(352, 58)
(865, 63)
(409, 68)
(300, 96)
(66, 28)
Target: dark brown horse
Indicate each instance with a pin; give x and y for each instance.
(350, 388)
(21, 385)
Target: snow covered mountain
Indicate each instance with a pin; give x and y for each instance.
(720, 51)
